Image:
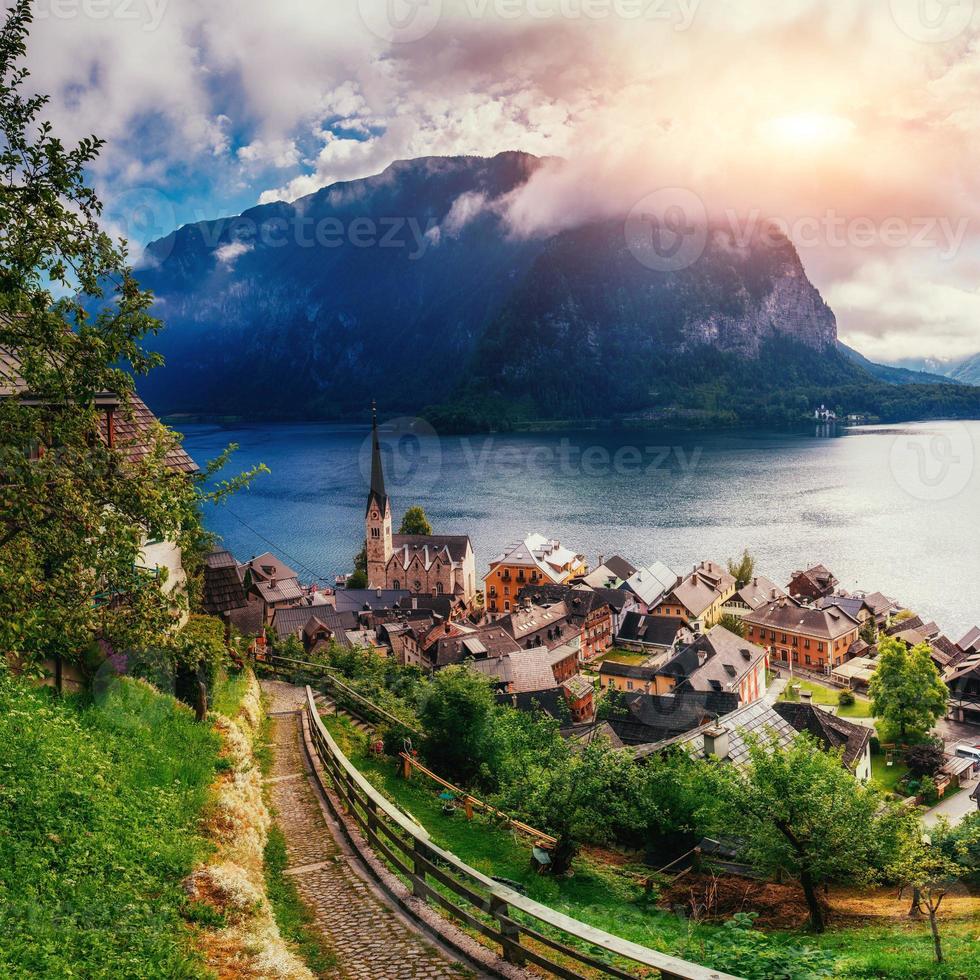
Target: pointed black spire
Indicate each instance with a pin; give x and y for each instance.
(377, 492)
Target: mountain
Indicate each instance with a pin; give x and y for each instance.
(407, 287)
(967, 371)
(893, 375)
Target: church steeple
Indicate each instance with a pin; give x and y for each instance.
(377, 493)
(377, 517)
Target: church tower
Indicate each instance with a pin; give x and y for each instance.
(377, 519)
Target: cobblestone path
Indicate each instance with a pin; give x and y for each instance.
(371, 941)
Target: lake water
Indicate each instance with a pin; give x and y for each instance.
(889, 508)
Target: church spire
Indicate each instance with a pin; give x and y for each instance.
(377, 492)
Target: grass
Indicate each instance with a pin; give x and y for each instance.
(829, 696)
(886, 777)
(100, 805)
(295, 920)
(611, 898)
(617, 656)
(228, 693)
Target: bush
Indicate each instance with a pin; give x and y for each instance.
(925, 760)
(394, 737)
(928, 791)
(845, 699)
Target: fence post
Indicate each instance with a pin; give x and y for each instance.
(418, 877)
(511, 933)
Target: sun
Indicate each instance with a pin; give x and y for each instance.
(810, 129)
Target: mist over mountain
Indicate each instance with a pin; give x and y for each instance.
(410, 288)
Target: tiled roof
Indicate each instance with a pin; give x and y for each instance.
(971, 642)
(656, 630)
(831, 731)
(653, 718)
(537, 551)
(222, 583)
(788, 614)
(268, 566)
(355, 600)
(652, 583)
(427, 547)
(613, 668)
(717, 660)
(758, 719)
(292, 620)
(759, 591)
(704, 586)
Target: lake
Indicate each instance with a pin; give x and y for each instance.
(889, 508)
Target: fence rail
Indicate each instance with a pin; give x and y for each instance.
(331, 677)
(524, 929)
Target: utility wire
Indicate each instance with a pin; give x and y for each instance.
(279, 550)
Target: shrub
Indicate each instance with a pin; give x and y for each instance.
(928, 791)
(925, 760)
(845, 699)
(393, 737)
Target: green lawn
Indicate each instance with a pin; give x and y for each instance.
(617, 656)
(887, 777)
(612, 899)
(829, 696)
(100, 806)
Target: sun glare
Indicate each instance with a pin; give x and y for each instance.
(811, 129)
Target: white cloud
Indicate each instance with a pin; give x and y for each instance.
(228, 254)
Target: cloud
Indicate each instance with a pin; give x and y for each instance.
(243, 99)
(228, 254)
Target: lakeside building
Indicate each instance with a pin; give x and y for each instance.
(699, 597)
(755, 595)
(821, 639)
(436, 564)
(536, 560)
(813, 584)
(649, 585)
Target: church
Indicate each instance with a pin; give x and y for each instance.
(434, 564)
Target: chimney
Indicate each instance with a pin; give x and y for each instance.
(717, 742)
(272, 582)
(601, 562)
(379, 593)
(702, 657)
(806, 697)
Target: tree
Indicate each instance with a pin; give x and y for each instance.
(869, 631)
(74, 511)
(930, 874)
(742, 569)
(457, 722)
(794, 807)
(733, 624)
(415, 522)
(906, 690)
(925, 760)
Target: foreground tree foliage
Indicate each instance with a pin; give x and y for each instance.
(73, 519)
(907, 692)
(799, 812)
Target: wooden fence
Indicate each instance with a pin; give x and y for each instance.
(526, 931)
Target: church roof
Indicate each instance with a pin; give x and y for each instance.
(377, 493)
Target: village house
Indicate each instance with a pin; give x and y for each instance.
(649, 585)
(971, 642)
(436, 564)
(641, 719)
(271, 583)
(588, 614)
(751, 597)
(818, 639)
(717, 661)
(698, 598)
(812, 584)
(629, 677)
(534, 561)
(452, 643)
(963, 681)
(654, 634)
(609, 573)
(832, 733)
(315, 627)
(224, 594)
(857, 607)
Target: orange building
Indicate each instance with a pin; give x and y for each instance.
(818, 639)
(534, 561)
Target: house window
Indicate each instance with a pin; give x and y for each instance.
(782, 637)
(629, 685)
(772, 636)
(796, 657)
(506, 607)
(506, 590)
(819, 648)
(395, 584)
(806, 646)
(796, 642)
(808, 658)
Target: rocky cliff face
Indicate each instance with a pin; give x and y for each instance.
(405, 287)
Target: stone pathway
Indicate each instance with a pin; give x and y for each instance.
(369, 938)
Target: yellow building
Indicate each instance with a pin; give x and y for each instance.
(534, 561)
(698, 599)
